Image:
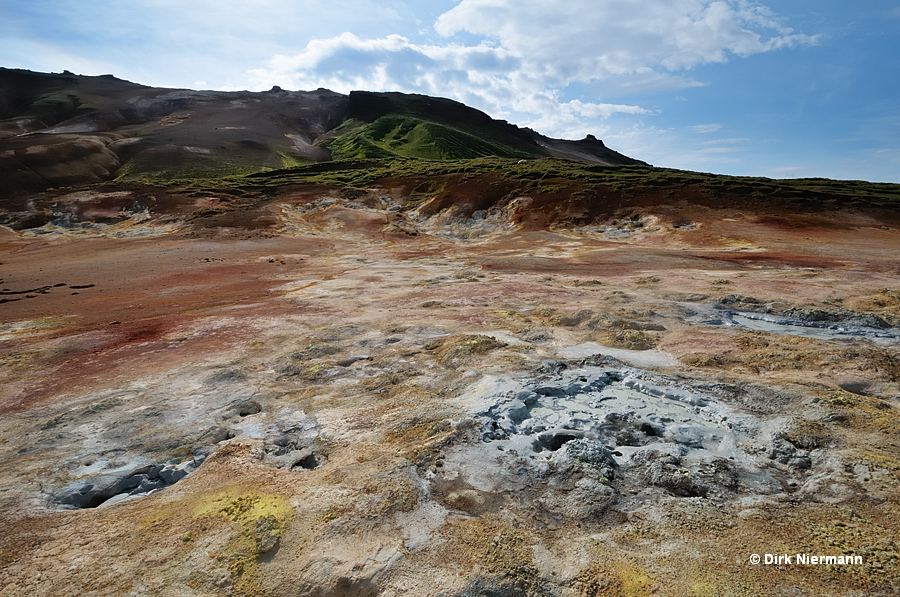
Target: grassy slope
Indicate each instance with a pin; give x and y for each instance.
(561, 192)
(544, 175)
(410, 137)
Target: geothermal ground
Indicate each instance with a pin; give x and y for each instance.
(356, 394)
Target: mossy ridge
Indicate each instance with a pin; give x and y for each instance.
(882, 461)
(364, 168)
(715, 587)
(552, 177)
(422, 442)
(292, 160)
(884, 302)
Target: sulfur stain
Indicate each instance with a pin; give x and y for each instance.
(260, 519)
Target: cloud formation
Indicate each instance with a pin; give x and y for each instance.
(523, 56)
(491, 78)
(174, 43)
(587, 39)
(706, 128)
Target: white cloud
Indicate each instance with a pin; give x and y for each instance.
(588, 39)
(591, 110)
(491, 78)
(718, 150)
(346, 62)
(706, 128)
(175, 43)
(522, 58)
(726, 141)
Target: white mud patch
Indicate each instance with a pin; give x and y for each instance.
(637, 358)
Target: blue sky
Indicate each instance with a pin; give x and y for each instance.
(783, 89)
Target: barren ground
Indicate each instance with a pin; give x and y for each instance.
(332, 370)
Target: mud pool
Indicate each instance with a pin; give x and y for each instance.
(632, 427)
(119, 484)
(821, 331)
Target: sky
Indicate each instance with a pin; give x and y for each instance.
(781, 89)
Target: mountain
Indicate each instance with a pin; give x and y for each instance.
(64, 129)
(419, 126)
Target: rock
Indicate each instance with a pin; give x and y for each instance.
(593, 454)
(148, 485)
(843, 317)
(212, 436)
(555, 439)
(351, 360)
(536, 336)
(738, 301)
(307, 463)
(855, 386)
(784, 452)
(575, 318)
(801, 462)
(574, 389)
(551, 391)
(589, 499)
(528, 398)
(248, 407)
(687, 436)
(721, 472)
(118, 499)
(516, 411)
(664, 470)
(265, 533)
(228, 376)
(172, 475)
(267, 542)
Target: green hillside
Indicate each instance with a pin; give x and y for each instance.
(411, 137)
